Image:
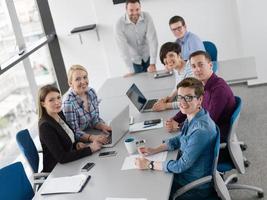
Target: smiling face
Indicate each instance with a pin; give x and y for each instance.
(178, 29)
(52, 103)
(173, 61)
(79, 81)
(188, 102)
(201, 68)
(134, 11)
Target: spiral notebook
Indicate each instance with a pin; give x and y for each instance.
(62, 185)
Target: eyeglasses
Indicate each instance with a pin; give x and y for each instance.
(186, 98)
(179, 28)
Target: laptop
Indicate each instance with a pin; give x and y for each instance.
(119, 126)
(138, 99)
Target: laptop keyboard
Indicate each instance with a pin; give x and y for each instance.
(150, 104)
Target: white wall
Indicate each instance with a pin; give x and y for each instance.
(74, 13)
(252, 16)
(223, 22)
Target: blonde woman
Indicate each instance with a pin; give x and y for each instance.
(80, 107)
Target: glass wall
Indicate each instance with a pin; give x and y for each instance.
(17, 102)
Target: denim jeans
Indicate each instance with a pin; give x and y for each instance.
(138, 68)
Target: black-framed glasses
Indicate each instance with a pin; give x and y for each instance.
(186, 98)
(179, 28)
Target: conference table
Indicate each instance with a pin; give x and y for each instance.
(107, 178)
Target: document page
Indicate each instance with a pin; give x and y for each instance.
(68, 184)
(129, 160)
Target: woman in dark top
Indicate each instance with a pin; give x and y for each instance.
(56, 136)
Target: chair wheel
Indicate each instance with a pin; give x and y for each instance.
(246, 163)
(244, 147)
(260, 194)
(234, 180)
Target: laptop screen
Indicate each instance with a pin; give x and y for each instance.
(137, 98)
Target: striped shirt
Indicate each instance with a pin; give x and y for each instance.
(76, 115)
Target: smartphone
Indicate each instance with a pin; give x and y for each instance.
(87, 167)
(107, 153)
(152, 121)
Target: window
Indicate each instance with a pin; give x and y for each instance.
(7, 38)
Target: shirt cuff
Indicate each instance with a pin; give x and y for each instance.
(165, 165)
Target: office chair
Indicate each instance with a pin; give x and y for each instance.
(237, 159)
(211, 48)
(30, 152)
(14, 183)
(215, 178)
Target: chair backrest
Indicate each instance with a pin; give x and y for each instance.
(28, 149)
(218, 182)
(211, 49)
(232, 142)
(14, 183)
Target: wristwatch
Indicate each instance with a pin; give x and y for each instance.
(151, 165)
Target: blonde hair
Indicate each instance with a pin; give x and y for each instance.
(43, 92)
(75, 68)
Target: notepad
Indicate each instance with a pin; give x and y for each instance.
(68, 184)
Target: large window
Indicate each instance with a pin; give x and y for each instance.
(18, 93)
(7, 38)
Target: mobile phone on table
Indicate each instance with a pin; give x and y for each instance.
(152, 121)
(87, 167)
(107, 153)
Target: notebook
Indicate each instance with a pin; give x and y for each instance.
(68, 184)
(139, 100)
(119, 126)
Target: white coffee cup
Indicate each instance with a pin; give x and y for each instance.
(130, 145)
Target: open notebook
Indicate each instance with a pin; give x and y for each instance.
(68, 184)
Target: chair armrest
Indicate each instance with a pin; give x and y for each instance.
(192, 185)
(40, 175)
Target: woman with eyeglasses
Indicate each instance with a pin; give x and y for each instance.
(195, 143)
(56, 136)
(80, 107)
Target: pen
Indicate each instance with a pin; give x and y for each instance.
(147, 126)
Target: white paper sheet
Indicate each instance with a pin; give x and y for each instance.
(129, 160)
(141, 127)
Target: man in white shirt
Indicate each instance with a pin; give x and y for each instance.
(137, 39)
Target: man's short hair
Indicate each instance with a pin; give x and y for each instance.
(200, 52)
(176, 19)
(168, 47)
(193, 83)
(132, 1)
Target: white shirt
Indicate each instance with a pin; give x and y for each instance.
(138, 41)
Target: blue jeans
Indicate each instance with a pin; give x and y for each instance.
(138, 68)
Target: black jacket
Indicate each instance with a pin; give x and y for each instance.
(56, 144)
